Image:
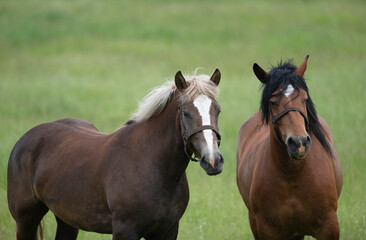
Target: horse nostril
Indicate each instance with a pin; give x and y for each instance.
(308, 141)
(221, 160)
(204, 164)
(293, 143)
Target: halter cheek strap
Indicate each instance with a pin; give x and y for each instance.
(187, 134)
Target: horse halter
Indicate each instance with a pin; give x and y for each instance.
(186, 134)
(283, 113)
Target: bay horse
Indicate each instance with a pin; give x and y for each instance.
(288, 172)
(131, 183)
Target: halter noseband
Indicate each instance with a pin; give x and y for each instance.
(187, 134)
(283, 113)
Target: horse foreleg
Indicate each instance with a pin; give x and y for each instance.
(173, 233)
(266, 230)
(124, 231)
(253, 226)
(65, 232)
(329, 230)
(166, 235)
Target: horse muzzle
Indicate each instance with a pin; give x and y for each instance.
(297, 146)
(212, 163)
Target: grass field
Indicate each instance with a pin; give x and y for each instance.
(95, 60)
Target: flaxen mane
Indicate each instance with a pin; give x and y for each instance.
(156, 100)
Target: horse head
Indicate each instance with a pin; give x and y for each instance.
(198, 119)
(285, 102)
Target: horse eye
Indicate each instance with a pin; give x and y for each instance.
(186, 114)
(273, 104)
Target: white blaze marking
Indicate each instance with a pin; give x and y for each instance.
(203, 104)
(289, 90)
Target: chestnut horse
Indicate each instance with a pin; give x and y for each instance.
(288, 172)
(131, 183)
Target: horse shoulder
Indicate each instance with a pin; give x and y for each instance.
(252, 135)
(248, 130)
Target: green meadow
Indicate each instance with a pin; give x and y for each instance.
(95, 60)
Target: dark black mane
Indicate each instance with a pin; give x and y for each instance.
(283, 75)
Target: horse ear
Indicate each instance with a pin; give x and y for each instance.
(216, 76)
(260, 73)
(180, 82)
(300, 70)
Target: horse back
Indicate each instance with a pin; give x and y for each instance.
(45, 140)
(79, 124)
(33, 142)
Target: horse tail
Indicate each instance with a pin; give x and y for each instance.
(40, 230)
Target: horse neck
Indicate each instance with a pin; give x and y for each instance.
(161, 138)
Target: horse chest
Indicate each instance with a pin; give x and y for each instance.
(289, 208)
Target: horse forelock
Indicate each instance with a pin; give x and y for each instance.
(281, 77)
(198, 85)
(158, 98)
